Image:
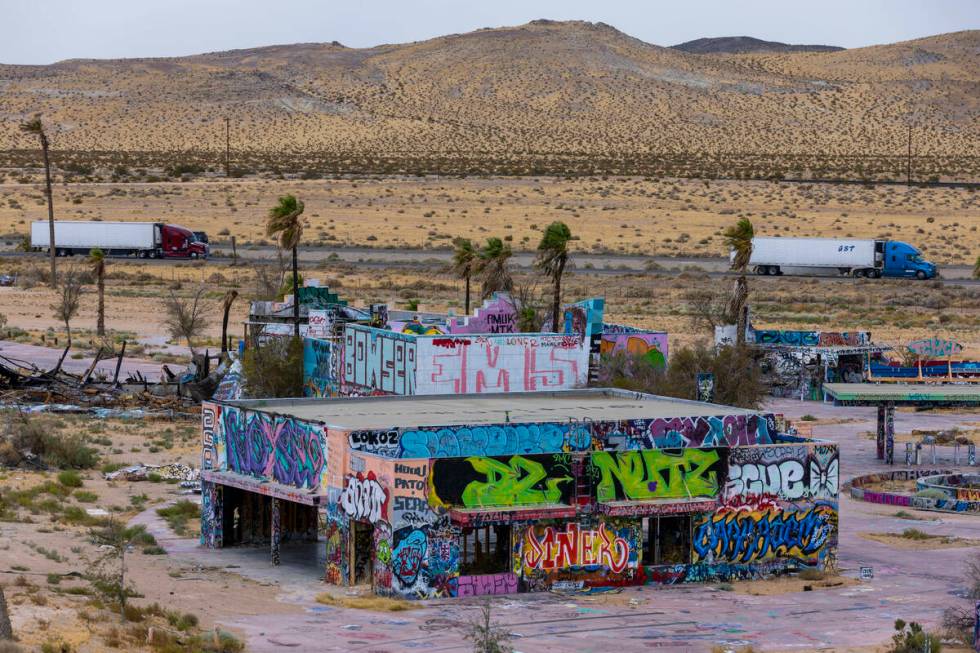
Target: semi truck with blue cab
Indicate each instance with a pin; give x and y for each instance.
(857, 258)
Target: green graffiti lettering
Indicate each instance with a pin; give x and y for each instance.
(517, 482)
(655, 474)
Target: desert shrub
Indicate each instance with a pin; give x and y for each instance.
(911, 638)
(915, 534)
(931, 493)
(274, 368)
(738, 380)
(178, 514)
(70, 478)
(42, 439)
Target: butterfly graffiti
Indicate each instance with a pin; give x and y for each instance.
(824, 478)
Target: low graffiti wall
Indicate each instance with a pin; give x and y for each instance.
(650, 345)
(926, 479)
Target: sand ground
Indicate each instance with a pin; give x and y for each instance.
(669, 217)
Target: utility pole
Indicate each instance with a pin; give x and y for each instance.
(908, 164)
(227, 146)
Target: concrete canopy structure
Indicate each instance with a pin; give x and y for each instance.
(903, 394)
(887, 397)
(461, 495)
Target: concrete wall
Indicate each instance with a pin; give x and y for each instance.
(574, 497)
(755, 511)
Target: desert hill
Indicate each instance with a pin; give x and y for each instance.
(538, 91)
(746, 44)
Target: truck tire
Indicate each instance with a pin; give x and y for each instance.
(193, 254)
(876, 274)
(760, 269)
(772, 270)
(142, 254)
(920, 275)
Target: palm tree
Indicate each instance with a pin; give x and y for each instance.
(34, 126)
(464, 264)
(284, 223)
(96, 259)
(226, 303)
(738, 238)
(552, 258)
(493, 267)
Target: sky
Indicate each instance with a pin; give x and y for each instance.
(45, 31)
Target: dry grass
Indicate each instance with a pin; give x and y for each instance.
(375, 603)
(617, 215)
(919, 541)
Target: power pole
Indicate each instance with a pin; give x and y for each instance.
(908, 164)
(227, 146)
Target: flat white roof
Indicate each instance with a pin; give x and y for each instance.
(449, 410)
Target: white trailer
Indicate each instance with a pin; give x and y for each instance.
(114, 238)
(845, 256)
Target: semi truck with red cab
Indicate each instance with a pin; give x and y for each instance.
(139, 239)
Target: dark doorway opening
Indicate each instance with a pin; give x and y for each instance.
(485, 550)
(667, 540)
(363, 552)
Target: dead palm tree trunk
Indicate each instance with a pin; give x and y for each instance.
(47, 192)
(100, 321)
(556, 301)
(295, 295)
(229, 298)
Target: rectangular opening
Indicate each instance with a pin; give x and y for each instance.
(485, 550)
(674, 540)
(667, 540)
(363, 553)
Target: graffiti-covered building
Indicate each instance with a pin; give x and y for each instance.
(464, 494)
(479, 354)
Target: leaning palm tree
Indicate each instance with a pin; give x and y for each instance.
(34, 126)
(96, 259)
(285, 223)
(493, 267)
(552, 258)
(465, 259)
(738, 238)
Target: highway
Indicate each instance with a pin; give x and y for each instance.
(601, 264)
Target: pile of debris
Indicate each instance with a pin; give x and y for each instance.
(22, 382)
(187, 476)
